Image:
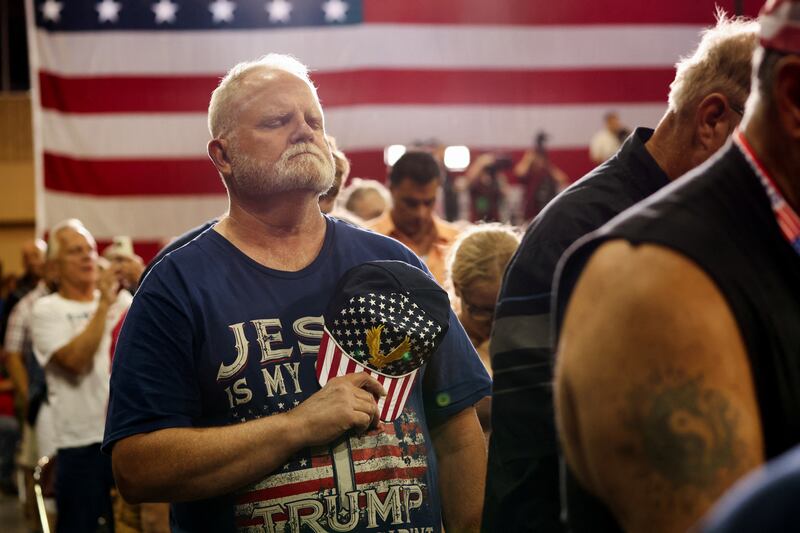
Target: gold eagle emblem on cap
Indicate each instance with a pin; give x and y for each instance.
(377, 358)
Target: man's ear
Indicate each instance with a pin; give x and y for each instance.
(218, 152)
(787, 94)
(713, 122)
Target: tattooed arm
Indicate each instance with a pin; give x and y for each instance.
(655, 400)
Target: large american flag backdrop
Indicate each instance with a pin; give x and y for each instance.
(121, 87)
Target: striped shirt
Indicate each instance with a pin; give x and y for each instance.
(18, 331)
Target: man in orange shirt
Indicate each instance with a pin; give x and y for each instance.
(414, 181)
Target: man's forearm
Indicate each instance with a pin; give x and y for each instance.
(461, 453)
(77, 355)
(181, 464)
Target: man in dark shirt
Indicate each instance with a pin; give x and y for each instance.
(677, 368)
(705, 103)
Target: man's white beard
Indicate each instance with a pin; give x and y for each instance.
(312, 171)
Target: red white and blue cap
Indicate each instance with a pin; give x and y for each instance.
(386, 318)
(780, 26)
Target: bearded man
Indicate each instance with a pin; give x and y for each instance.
(214, 402)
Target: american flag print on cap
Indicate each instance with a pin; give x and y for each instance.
(780, 26)
(387, 318)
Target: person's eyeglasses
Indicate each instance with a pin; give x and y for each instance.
(481, 314)
(736, 109)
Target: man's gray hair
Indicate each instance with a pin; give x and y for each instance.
(721, 63)
(220, 116)
(54, 243)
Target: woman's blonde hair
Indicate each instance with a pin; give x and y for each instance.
(481, 253)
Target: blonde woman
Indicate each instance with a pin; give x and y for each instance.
(475, 269)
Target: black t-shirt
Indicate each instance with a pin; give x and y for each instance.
(522, 487)
(720, 217)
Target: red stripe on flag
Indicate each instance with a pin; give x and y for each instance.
(315, 485)
(792, 230)
(153, 177)
(322, 355)
(147, 250)
(523, 12)
(365, 454)
(336, 359)
(125, 94)
(189, 94)
(290, 489)
(416, 472)
(398, 407)
(409, 450)
(388, 401)
(791, 218)
(134, 177)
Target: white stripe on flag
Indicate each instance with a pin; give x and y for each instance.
(382, 400)
(173, 135)
(434, 46)
(342, 368)
(324, 374)
(141, 217)
(408, 386)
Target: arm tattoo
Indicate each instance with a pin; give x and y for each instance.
(685, 430)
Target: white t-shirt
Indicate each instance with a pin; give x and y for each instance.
(79, 403)
(604, 144)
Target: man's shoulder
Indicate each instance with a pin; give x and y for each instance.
(193, 254)
(581, 208)
(54, 305)
(25, 305)
(368, 239)
(49, 301)
(589, 202)
(382, 224)
(446, 230)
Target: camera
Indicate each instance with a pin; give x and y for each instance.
(501, 162)
(540, 142)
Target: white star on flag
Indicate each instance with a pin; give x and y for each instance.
(222, 10)
(108, 11)
(279, 10)
(51, 10)
(165, 11)
(335, 10)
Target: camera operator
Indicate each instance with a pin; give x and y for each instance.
(487, 183)
(541, 178)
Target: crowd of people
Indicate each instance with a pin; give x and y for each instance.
(294, 364)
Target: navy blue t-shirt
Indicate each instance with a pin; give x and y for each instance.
(214, 338)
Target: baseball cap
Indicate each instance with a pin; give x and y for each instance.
(780, 26)
(386, 318)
